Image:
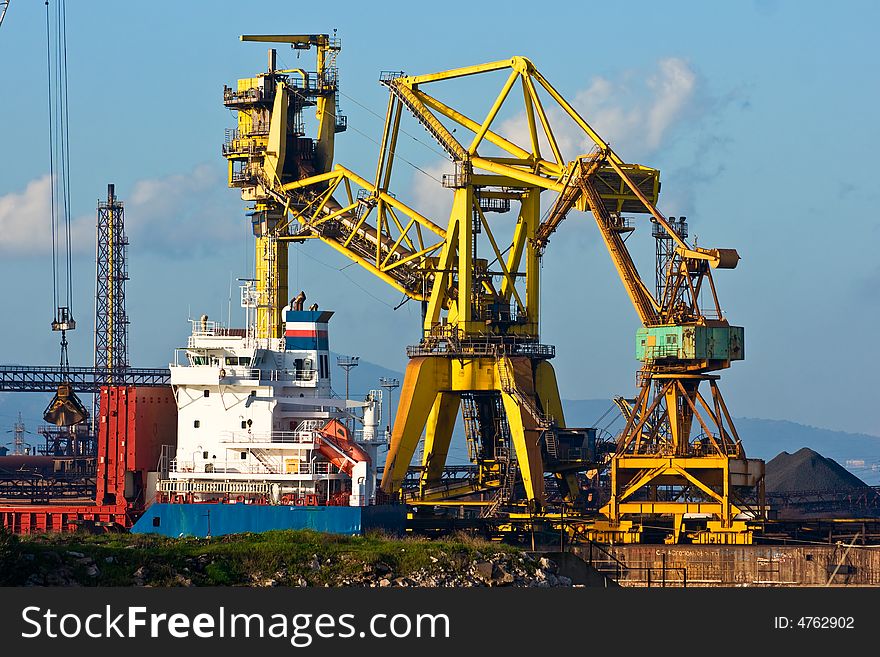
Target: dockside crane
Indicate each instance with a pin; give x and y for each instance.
(679, 454)
(480, 352)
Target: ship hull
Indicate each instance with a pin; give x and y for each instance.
(204, 520)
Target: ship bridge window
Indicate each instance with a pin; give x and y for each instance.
(243, 456)
(199, 360)
(207, 393)
(196, 424)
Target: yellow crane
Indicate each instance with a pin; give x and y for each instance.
(480, 353)
(679, 454)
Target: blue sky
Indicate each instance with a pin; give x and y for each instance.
(759, 115)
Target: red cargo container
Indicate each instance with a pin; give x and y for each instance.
(133, 425)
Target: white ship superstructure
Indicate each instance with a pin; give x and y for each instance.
(259, 423)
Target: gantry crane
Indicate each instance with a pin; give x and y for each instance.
(480, 352)
(679, 454)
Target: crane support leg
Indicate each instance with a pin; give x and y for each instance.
(547, 391)
(518, 395)
(438, 434)
(524, 435)
(424, 377)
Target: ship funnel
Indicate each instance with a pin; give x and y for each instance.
(65, 409)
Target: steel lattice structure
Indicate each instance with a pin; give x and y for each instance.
(111, 272)
(22, 378)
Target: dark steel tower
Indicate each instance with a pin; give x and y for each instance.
(111, 273)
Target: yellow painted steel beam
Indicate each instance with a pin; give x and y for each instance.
(530, 179)
(514, 255)
(424, 377)
(509, 281)
(413, 80)
(462, 205)
(547, 391)
(394, 203)
(545, 122)
(493, 112)
(524, 436)
(494, 138)
(438, 435)
(566, 106)
(530, 118)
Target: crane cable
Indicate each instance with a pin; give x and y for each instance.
(59, 172)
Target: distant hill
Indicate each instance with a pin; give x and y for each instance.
(764, 439)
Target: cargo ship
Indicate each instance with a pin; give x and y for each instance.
(263, 442)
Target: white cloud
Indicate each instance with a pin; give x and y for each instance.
(429, 197)
(183, 213)
(636, 113)
(25, 223)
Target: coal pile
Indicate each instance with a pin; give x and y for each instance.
(806, 470)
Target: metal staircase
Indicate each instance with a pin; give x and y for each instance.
(427, 119)
(546, 423)
(271, 464)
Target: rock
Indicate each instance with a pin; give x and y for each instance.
(92, 571)
(314, 564)
(501, 577)
(382, 568)
(549, 565)
(180, 580)
(301, 581)
(78, 555)
(434, 559)
(564, 581)
(384, 582)
(28, 557)
(109, 559)
(34, 580)
(483, 570)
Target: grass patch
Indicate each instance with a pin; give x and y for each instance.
(289, 557)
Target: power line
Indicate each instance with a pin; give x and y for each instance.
(382, 118)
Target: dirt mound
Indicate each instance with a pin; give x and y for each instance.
(806, 470)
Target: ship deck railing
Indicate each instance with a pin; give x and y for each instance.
(273, 466)
(226, 372)
(280, 437)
